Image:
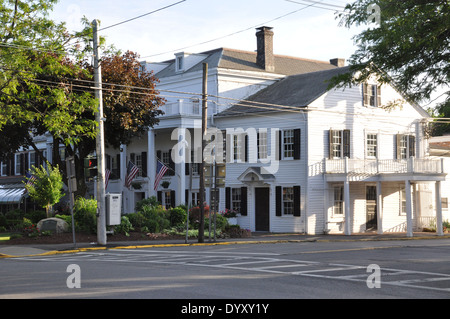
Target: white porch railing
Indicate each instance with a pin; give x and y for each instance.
(385, 166)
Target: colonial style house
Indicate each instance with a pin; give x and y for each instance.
(345, 163)
(299, 157)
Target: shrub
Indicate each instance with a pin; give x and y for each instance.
(125, 226)
(157, 219)
(221, 222)
(177, 216)
(137, 220)
(84, 214)
(151, 201)
(36, 216)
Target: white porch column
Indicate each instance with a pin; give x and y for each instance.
(179, 158)
(439, 230)
(379, 209)
(409, 232)
(123, 173)
(151, 161)
(347, 224)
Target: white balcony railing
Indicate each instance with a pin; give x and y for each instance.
(182, 107)
(386, 166)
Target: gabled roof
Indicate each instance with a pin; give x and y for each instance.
(246, 61)
(296, 91)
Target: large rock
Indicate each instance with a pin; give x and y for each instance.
(56, 225)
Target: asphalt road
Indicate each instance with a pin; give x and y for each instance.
(237, 274)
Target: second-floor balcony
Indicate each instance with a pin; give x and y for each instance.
(386, 167)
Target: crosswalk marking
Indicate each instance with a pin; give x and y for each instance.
(268, 263)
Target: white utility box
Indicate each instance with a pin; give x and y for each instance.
(113, 209)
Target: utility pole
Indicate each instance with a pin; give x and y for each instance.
(100, 144)
(201, 228)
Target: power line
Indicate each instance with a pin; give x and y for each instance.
(233, 33)
(143, 15)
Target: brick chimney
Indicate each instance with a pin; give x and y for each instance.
(264, 42)
(338, 62)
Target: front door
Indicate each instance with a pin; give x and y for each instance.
(262, 208)
(371, 207)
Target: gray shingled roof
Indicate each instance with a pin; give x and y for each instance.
(246, 61)
(295, 91)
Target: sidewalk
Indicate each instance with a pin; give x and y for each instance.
(11, 251)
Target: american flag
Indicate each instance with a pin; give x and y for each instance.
(107, 174)
(161, 169)
(132, 170)
(30, 180)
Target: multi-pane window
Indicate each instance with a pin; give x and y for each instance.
(138, 163)
(338, 205)
(405, 146)
(403, 200)
(288, 144)
(372, 95)
(237, 148)
(4, 168)
(371, 142)
(288, 200)
(168, 199)
(17, 164)
(236, 199)
(339, 143)
(166, 158)
(31, 160)
(262, 145)
(336, 138)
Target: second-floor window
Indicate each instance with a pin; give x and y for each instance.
(371, 144)
(339, 143)
(405, 146)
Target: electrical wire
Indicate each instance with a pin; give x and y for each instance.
(143, 15)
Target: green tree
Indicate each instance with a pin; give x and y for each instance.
(46, 81)
(405, 43)
(46, 190)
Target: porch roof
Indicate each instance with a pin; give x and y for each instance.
(11, 193)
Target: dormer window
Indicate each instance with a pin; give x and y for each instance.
(179, 63)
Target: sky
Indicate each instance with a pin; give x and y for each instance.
(301, 29)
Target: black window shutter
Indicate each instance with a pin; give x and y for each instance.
(412, 145)
(243, 201)
(108, 161)
(346, 143)
(227, 197)
(278, 200)
(186, 197)
(144, 164)
(246, 148)
(297, 201)
(159, 196)
(171, 170)
(22, 164)
(398, 138)
(172, 199)
(330, 144)
(116, 172)
(297, 138)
